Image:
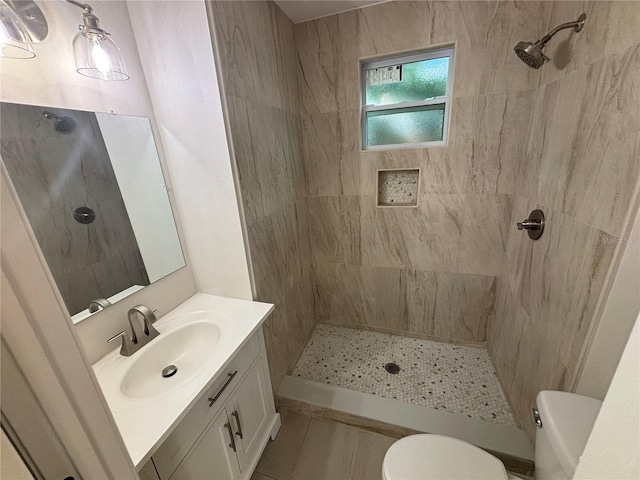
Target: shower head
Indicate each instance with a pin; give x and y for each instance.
(61, 124)
(531, 53)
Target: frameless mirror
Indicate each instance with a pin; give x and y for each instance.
(93, 190)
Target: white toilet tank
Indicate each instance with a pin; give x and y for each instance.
(567, 420)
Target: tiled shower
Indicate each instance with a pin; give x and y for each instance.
(453, 268)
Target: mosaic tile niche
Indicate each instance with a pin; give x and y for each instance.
(398, 188)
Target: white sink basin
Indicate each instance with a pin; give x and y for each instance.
(199, 337)
(192, 342)
(187, 348)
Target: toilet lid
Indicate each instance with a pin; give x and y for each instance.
(437, 457)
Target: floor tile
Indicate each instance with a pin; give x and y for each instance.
(280, 455)
(454, 378)
(327, 451)
(259, 476)
(368, 455)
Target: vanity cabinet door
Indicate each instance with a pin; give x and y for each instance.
(248, 411)
(212, 457)
(148, 472)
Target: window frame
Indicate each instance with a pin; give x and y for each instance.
(408, 106)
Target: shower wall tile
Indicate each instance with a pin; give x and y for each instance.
(256, 49)
(281, 253)
(604, 168)
(259, 70)
(566, 278)
(484, 221)
(558, 138)
(460, 225)
(499, 126)
(426, 237)
(372, 161)
(580, 167)
(288, 328)
(447, 306)
(331, 144)
(611, 27)
(588, 172)
(329, 48)
(328, 70)
(335, 229)
(344, 293)
(450, 307)
(276, 339)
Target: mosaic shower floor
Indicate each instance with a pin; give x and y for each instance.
(443, 376)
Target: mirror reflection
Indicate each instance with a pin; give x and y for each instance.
(92, 187)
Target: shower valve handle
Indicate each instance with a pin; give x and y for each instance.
(529, 224)
(534, 224)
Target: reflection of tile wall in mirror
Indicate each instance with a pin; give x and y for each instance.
(58, 167)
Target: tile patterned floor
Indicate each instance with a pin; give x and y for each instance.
(453, 378)
(309, 448)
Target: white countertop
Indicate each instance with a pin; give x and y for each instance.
(145, 423)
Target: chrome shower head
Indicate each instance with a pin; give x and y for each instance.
(61, 124)
(531, 53)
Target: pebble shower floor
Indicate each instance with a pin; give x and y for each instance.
(443, 376)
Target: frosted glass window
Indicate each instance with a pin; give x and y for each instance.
(393, 127)
(419, 81)
(406, 100)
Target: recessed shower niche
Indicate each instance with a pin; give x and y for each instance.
(398, 188)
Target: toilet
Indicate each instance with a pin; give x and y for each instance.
(565, 422)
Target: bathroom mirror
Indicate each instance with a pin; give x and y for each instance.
(94, 193)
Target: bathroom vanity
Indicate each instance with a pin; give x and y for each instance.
(214, 416)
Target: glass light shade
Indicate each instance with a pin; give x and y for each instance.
(97, 56)
(14, 39)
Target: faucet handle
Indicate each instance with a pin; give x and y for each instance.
(126, 348)
(117, 335)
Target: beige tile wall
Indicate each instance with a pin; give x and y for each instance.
(563, 138)
(258, 64)
(428, 271)
(581, 167)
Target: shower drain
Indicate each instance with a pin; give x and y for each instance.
(392, 368)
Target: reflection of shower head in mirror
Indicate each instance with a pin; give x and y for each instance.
(60, 124)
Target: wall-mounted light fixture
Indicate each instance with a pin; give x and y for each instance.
(22, 24)
(96, 55)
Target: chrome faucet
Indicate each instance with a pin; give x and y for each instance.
(139, 338)
(98, 304)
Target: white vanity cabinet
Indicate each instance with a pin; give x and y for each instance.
(225, 432)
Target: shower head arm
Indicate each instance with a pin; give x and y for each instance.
(577, 26)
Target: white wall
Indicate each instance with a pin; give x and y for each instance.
(612, 449)
(175, 49)
(135, 162)
(11, 465)
(619, 314)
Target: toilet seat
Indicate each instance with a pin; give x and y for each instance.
(438, 457)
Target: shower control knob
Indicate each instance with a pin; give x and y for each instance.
(534, 224)
(526, 224)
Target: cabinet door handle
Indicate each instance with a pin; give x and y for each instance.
(237, 415)
(233, 442)
(212, 400)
